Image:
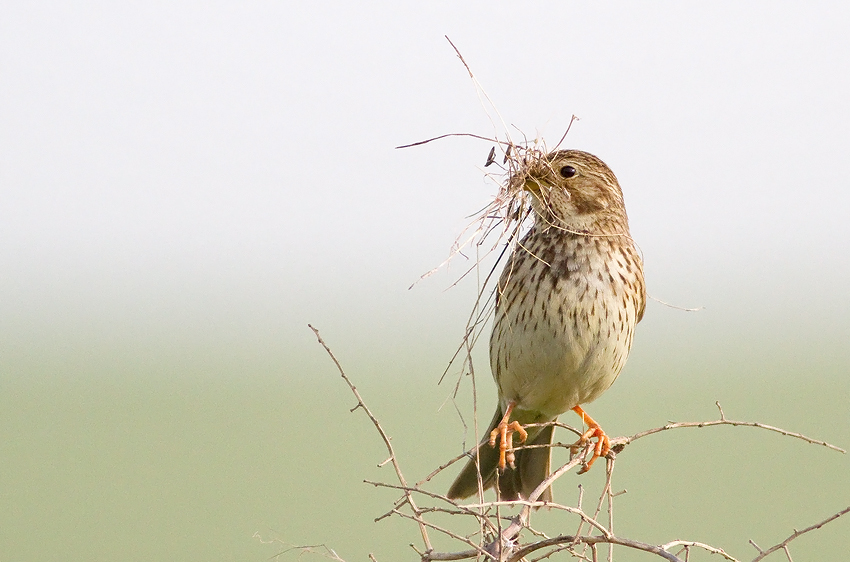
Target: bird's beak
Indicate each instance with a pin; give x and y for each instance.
(532, 185)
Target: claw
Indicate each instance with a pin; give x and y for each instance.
(504, 432)
(603, 443)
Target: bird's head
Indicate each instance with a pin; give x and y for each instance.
(575, 191)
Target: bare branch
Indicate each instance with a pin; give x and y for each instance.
(623, 441)
(384, 436)
(445, 465)
(784, 544)
(464, 509)
(476, 550)
(584, 517)
(591, 540)
(711, 549)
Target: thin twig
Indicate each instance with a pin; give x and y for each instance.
(476, 550)
(593, 540)
(384, 436)
(465, 508)
(708, 548)
(622, 441)
(584, 517)
(795, 534)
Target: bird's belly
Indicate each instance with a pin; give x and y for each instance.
(548, 361)
(550, 375)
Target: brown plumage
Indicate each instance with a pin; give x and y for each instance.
(567, 304)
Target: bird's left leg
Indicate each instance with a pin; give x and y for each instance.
(505, 433)
(603, 443)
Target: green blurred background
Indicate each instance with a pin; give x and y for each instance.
(186, 185)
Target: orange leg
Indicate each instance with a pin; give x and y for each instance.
(505, 432)
(603, 443)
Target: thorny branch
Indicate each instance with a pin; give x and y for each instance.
(505, 545)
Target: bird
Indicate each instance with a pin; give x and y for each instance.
(567, 304)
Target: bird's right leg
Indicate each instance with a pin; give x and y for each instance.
(505, 433)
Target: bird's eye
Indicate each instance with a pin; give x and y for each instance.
(568, 172)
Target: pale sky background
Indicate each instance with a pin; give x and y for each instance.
(208, 178)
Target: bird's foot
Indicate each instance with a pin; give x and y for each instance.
(504, 432)
(600, 448)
